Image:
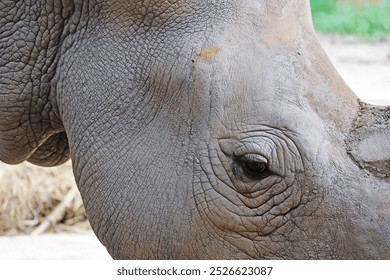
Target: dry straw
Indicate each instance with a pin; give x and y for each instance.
(34, 200)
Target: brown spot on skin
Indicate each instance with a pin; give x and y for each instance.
(208, 54)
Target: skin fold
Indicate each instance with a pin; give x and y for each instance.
(197, 129)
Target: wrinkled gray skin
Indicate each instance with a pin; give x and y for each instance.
(197, 129)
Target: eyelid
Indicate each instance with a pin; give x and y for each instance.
(257, 146)
(255, 158)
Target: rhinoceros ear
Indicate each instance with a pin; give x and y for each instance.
(369, 140)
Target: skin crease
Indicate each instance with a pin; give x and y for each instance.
(197, 129)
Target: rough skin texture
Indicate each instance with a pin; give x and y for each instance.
(197, 129)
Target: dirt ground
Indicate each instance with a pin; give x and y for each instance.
(364, 66)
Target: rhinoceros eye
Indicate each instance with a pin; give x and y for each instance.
(254, 164)
(256, 167)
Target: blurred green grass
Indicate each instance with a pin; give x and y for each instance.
(367, 21)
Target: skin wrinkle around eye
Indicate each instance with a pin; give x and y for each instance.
(255, 201)
(267, 204)
(251, 208)
(260, 187)
(258, 222)
(257, 194)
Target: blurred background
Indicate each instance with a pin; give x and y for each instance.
(41, 212)
(355, 34)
